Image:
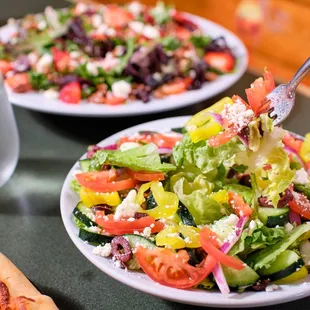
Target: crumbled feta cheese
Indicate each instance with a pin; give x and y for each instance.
(51, 94)
(271, 288)
(288, 227)
(44, 63)
(111, 32)
(147, 231)
(121, 89)
(301, 177)
(252, 225)
(119, 50)
(232, 220)
(135, 8)
(92, 68)
(187, 240)
(80, 8)
(131, 219)
(237, 115)
(96, 20)
(191, 54)
(33, 58)
(157, 76)
(128, 206)
(118, 264)
(104, 251)
(151, 32)
(42, 24)
(8, 31)
(128, 145)
(75, 54)
(152, 225)
(192, 74)
(136, 26)
(95, 229)
(102, 29)
(109, 61)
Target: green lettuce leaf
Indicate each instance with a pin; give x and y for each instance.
(258, 238)
(194, 195)
(75, 186)
(142, 158)
(265, 257)
(204, 157)
(269, 183)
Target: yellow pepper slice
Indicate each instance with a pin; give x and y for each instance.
(171, 238)
(305, 148)
(140, 196)
(91, 198)
(191, 235)
(221, 196)
(300, 274)
(202, 125)
(167, 202)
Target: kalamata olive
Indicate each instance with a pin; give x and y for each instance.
(102, 207)
(121, 249)
(286, 196)
(260, 285)
(245, 180)
(139, 215)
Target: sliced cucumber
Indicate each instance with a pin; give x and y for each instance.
(304, 189)
(287, 263)
(272, 217)
(305, 252)
(150, 202)
(165, 158)
(84, 214)
(93, 237)
(84, 164)
(185, 215)
(240, 278)
(135, 240)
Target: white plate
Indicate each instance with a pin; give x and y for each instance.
(36, 101)
(140, 281)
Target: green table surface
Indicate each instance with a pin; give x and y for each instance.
(32, 234)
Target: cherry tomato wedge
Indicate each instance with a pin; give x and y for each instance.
(121, 227)
(104, 181)
(172, 269)
(208, 241)
(240, 207)
(5, 66)
(300, 205)
(145, 176)
(176, 87)
(61, 59)
(117, 17)
(113, 100)
(19, 82)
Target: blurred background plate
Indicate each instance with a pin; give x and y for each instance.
(37, 102)
(140, 281)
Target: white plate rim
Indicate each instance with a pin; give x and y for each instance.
(136, 280)
(37, 102)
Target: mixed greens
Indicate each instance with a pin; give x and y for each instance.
(110, 54)
(221, 203)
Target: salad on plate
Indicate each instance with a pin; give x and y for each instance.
(223, 203)
(110, 54)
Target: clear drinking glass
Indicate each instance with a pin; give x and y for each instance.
(9, 140)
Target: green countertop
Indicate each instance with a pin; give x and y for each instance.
(32, 234)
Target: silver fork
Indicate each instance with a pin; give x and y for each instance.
(282, 98)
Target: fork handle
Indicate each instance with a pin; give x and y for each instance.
(298, 77)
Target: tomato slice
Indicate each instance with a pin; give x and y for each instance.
(208, 241)
(5, 66)
(182, 33)
(145, 176)
(176, 87)
(121, 227)
(71, 93)
(222, 137)
(104, 181)
(293, 143)
(172, 269)
(61, 59)
(117, 17)
(237, 203)
(260, 88)
(221, 61)
(301, 205)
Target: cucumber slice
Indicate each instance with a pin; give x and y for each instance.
(185, 215)
(287, 263)
(304, 189)
(135, 240)
(84, 214)
(240, 278)
(84, 164)
(272, 217)
(93, 238)
(165, 158)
